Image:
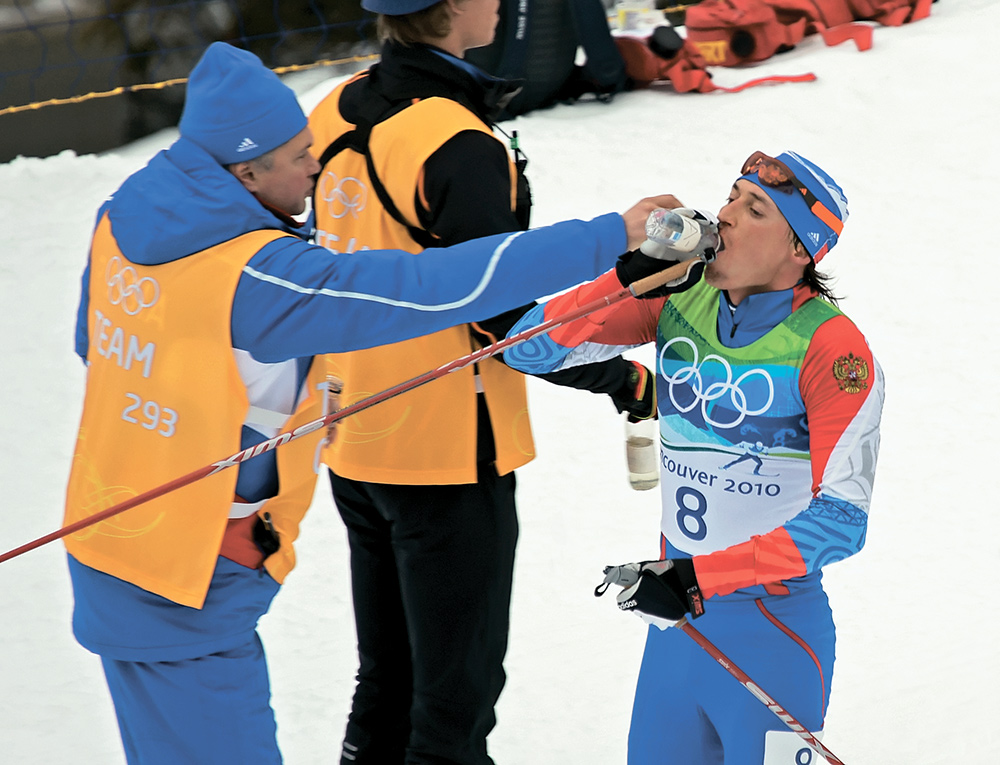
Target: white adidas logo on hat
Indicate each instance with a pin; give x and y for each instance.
(814, 237)
(246, 145)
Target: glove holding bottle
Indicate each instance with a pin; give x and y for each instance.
(637, 398)
(673, 236)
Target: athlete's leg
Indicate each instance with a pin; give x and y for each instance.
(213, 710)
(786, 645)
(668, 725)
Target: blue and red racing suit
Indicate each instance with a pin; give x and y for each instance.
(769, 432)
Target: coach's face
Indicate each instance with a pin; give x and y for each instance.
(283, 178)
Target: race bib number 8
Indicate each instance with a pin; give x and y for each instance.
(713, 499)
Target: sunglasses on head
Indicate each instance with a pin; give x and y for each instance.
(776, 175)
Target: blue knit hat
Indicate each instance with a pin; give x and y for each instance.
(817, 224)
(236, 108)
(396, 7)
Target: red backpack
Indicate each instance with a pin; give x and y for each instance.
(733, 32)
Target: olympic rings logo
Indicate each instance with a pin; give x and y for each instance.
(690, 378)
(343, 195)
(126, 289)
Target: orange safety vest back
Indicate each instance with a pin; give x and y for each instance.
(164, 398)
(428, 435)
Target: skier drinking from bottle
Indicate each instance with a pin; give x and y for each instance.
(757, 347)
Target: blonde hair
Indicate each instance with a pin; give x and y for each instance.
(431, 23)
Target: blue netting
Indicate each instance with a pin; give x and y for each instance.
(66, 48)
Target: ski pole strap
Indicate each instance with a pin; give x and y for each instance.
(624, 576)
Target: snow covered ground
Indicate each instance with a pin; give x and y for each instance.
(908, 128)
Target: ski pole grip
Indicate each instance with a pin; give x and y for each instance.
(648, 283)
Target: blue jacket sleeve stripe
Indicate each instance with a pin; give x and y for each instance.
(381, 297)
(491, 268)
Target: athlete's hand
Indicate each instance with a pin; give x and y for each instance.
(660, 591)
(637, 394)
(635, 217)
(634, 265)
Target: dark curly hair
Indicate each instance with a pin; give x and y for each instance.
(814, 278)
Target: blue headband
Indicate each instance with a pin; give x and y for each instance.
(817, 227)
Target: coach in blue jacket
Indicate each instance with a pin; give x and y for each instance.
(202, 308)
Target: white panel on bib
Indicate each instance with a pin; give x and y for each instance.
(785, 747)
(713, 499)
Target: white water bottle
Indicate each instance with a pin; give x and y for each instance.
(674, 233)
(642, 453)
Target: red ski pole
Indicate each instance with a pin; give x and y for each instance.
(638, 288)
(779, 711)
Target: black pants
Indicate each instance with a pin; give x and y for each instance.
(431, 570)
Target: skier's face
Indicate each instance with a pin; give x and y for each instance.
(286, 178)
(758, 254)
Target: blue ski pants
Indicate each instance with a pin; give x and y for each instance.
(689, 709)
(213, 710)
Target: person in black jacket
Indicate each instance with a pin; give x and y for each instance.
(425, 484)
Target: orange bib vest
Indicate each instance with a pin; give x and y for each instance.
(164, 398)
(426, 436)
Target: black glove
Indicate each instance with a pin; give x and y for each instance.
(664, 589)
(265, 536)
(637, 394)
(634, 265)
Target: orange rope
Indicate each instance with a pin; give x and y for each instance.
(166, 84)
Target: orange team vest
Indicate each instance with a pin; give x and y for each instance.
(428, 435)
(164, 398)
